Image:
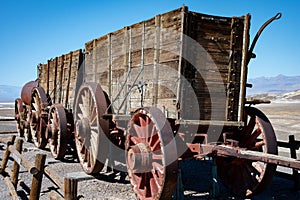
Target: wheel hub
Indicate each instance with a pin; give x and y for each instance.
(139, 157)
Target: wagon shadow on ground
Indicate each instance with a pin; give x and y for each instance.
(196, 179)
(112, 177)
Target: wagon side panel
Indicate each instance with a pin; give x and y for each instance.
(139, 60)
(70, 84)
(97, 62)
(58, 77)
(215, 71)
(43, 75)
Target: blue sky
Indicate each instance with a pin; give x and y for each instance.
(34, 31)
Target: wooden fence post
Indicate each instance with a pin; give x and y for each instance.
(16, 167)
(7, 153)
(37, 178)
(294, 155)
(70, 188)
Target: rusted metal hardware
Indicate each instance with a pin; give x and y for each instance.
(250, 52)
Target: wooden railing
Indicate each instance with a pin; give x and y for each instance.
(293, 145)
(68, 185)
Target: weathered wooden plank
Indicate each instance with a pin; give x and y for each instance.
(70, 188)
(12, 189)
(58, 77)
(54, 177)
(258, 156)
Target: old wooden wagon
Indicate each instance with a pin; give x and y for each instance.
(169, 88)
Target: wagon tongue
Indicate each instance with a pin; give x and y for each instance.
(257, 156)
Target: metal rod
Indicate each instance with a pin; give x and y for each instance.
(250, 52)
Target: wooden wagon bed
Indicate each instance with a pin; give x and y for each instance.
(190, 65)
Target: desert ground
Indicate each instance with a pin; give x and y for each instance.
(196, 175)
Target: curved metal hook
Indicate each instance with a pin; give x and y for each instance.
(250, 52)
(278, 15)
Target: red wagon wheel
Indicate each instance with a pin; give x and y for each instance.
(151, 155)
(19, 111)
(90, 128)
(57, 131)
(38, 121)
(245, 177)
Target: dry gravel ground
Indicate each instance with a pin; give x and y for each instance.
(195, 174)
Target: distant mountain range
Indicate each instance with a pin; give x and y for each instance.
(282, 97)
(9, 93)
(274, 85)
(263, 86)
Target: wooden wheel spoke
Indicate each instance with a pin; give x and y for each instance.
(90, 158)
(35, 106)
(155, 187)
(258, 167)
(156, 145)
(139, 130)
(94, 142)
(154, 137)
(91, 104)
(159, 168)
(150, 131)
(138, 178)
(135, 140)
(143, 122)
(250, 126)
(149, 127)
(83, 98)
(252, 138)
(157, 174)
(80, 115)
(94, 119)
(258, 145)
(153, 133)
(83, 111)
(54, 122)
